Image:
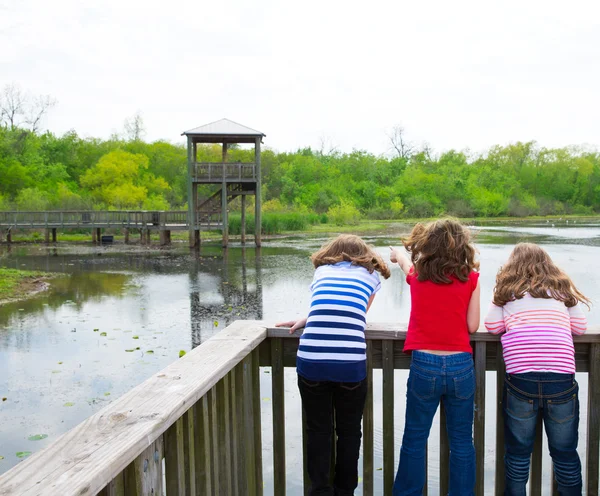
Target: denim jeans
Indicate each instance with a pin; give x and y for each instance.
(451, 379)
(322, 401)
(555, 397)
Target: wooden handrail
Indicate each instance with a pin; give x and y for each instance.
(202, 415)
(89, 456)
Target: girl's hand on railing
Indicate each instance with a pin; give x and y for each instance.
(294, 325)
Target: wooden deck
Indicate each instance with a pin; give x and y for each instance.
(202, 416)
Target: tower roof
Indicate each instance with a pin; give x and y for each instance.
(223, 128)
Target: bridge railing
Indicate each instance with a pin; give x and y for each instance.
(227, 171)
(92, 218)
(201, 416)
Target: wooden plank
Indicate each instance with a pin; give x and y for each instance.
(225, 435)
(500, 373)
(388, 417)
(236, 439)
(144, 477)
(89, 456)
(535, 478)
(257, 422)
(115, 487)
(479, 421)
(203, 469)
(189, 423)
(214, 440)
(278, 402)
(305, 477)
(248, 393)
(241, 448)
(174, 459)
(444, 451)
(368, 471)
(593, 426)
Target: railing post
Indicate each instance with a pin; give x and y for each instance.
(388, 416)
(174, 459)
(368, 486)
(278, 395)
(593, 415)
(479, 423)
(500, 373)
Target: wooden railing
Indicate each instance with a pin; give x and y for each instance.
(227, 171)
(92, 218)
(202, 416)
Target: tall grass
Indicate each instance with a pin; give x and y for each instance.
(276, 222)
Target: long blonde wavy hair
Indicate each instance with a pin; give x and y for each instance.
(350, 248)
(530, 269)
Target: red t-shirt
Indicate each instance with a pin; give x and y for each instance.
(438, 314)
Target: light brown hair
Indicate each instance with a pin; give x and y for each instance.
(530, 269)
(350, 248)
(440, 250)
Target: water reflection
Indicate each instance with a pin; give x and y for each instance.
(221, 293)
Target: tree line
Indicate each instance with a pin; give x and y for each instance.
(40, 171)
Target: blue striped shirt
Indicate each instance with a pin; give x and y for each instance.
(333, 346)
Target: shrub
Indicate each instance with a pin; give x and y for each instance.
(344, 214)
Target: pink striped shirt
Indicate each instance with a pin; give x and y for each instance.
(538, 334)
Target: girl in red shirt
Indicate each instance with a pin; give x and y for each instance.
(444, 289)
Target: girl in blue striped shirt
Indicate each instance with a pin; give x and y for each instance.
(331, 361)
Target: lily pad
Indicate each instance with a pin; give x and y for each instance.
(60, 363)
(23, 454)
(106, 394)
(150, 352)
(130, 351)
(69, 403)
(37, 437)
(181, 353)
(1, 457)
(96, 330)
(216, 323)
(136, 337)
(102, 334)
(4, 398)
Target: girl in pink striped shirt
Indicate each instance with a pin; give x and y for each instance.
(538, 308)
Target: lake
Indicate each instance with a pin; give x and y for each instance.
(126, 312)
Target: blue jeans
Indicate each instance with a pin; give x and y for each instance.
(451, 379)
(555, 397)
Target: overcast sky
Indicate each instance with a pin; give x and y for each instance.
(456, 74)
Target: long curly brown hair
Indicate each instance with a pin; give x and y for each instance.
(350, 248)
(440, 250)
(531, 270)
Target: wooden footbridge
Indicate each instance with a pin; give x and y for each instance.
(196, 427)
(236, 179)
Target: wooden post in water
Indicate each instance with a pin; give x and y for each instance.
(94, 236)
(126, 235)
(224, 218)
(243, 220)
(257, 203)
(191, 218)
(54, 234)
(9, 237)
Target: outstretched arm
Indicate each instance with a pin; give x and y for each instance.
(399, 257)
